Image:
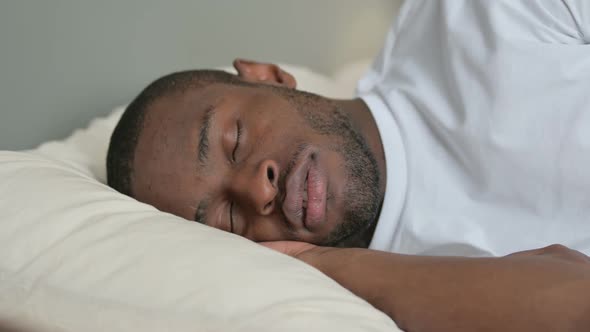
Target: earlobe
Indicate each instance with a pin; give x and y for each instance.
(266, 73)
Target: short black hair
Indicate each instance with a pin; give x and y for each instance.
(124, 139)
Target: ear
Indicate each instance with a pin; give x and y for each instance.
(266, 73)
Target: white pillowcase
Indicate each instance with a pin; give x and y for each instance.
(77, 256)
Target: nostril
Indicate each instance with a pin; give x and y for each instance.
(270, 173)
(268, 206)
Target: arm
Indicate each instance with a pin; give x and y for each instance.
(540, 290)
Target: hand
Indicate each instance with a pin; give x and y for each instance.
(556, 251)
(306, 252)
(291, 248)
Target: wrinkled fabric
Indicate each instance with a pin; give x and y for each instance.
(484, 109)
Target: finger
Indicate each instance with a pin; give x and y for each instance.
(526, 253)
(292, 248)
(274, 245)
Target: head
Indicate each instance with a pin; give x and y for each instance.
(248, 154)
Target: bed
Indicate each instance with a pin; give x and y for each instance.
(78, 256)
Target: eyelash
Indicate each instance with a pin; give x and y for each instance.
(233, 154)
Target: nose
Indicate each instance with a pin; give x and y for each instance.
(259, 189)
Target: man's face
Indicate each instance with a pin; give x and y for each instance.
(264, 163)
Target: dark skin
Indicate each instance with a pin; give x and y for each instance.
(538, 290)
(238, 174)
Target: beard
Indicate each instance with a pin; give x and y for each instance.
(362, 197)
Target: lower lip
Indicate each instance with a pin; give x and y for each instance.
(316, 197)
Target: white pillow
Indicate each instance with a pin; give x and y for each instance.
(77, 256)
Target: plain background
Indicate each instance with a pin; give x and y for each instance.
(63, 62)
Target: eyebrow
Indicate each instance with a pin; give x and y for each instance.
(201, 212)
(204, 134)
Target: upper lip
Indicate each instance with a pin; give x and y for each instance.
(295, 189)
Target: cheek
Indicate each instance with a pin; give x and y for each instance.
(265, 229)
(277, 136)
(334, 165)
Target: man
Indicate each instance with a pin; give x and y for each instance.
(470, 137)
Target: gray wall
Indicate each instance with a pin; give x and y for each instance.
(63, 62)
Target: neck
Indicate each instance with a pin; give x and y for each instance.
(362, 118)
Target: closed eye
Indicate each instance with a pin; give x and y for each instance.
(238, 135)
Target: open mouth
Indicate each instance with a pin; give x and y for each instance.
(306, 192)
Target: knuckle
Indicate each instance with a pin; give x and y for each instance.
(557, 247)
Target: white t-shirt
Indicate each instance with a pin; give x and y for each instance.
(484, 111)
